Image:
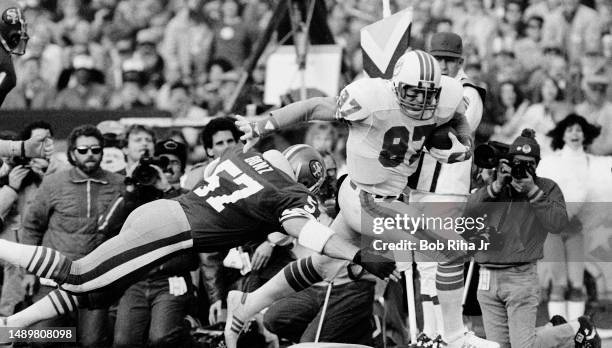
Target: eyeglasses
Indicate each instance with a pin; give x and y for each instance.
(95, 149)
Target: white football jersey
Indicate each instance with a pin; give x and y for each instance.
(384, 145)
(450, 178)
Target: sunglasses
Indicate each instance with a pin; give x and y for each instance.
(95, 149)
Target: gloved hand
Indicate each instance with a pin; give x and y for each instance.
(377, 264)
(177, 286)
(457, 153)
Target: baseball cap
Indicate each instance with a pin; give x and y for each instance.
(171, 147)
(446, 44)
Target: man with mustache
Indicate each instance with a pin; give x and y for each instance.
(65, 215)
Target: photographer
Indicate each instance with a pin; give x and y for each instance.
(152, 310)
(520, 209)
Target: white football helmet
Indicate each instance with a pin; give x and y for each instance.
(416, 81)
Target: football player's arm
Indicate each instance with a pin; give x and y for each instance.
(313, 109)
(313, 235)
(462, 126)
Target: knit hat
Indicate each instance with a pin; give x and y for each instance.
(525, 144)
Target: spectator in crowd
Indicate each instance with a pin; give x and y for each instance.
(478, 27)
(187, 41)
(219, 134)
(65, 216)
(132, 94)
(512, 108)
(86, 93)
(597, 110)
(31, 92)
(146, 53)
(542, 116)
(139, 139)
(151, 311)
(564, 252)
(509, 28)
(528, 50)
(232, 37)
(181, 104)
(573, 26)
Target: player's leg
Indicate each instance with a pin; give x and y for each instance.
(295, 277)
(555, 262)
(151, 233)
(56, 303)
(429, 297)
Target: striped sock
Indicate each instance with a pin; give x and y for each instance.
(49, 263)
(301, 274)
(449, 286)
(63, 302)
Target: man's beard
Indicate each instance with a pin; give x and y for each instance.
(90, 165)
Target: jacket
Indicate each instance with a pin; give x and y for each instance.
(67, 209)
(522, 223)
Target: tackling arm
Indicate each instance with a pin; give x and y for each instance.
(319, 108)
(320, 238)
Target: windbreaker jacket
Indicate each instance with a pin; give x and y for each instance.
(67, 210)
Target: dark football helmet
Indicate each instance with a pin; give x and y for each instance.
(13, 28)
(307, 164)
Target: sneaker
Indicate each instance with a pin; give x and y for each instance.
(587, 336)
(425, 341)
(469, 340)
(557, 320)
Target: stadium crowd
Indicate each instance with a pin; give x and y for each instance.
(545, 65)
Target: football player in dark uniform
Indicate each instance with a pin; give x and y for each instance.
(13, 40)
(247, 194)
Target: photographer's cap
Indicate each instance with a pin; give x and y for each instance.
(446, 44)
(525, 144)
(171, 147)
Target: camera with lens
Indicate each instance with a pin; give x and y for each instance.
(489, 154)
(144, 174)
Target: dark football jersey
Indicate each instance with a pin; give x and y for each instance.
(244, 199)
(8, 80)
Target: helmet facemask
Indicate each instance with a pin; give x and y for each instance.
(16, 38)
(416, 101)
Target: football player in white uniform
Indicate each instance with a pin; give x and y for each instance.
(388, 123)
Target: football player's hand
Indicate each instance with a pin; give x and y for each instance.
(216, 313)
(261, 256)
(377, 264)
(457, 153)
(250, 130)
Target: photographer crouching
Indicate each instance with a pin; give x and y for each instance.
(151, 312)
(521, 209)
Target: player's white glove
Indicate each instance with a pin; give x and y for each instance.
(250, 130)
(457, 153)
